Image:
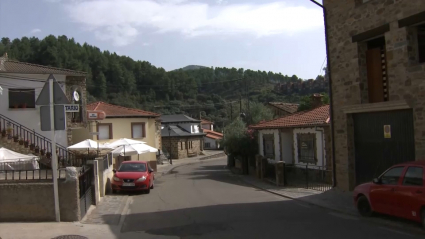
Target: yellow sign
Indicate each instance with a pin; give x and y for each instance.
(387, 131)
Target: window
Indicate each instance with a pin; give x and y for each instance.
(392, 176)
(306, 148)
(105, 131)
(21, 98)
(414, 176)
(421, 43)
(181, 145)
(207, 145)
(138, 130)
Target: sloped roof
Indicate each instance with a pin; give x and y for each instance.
(212, 134)
(112, 111)
(10, 66)
(178, 119)
(204, 121)
(177, 131)
(288, 107)
(314, 117)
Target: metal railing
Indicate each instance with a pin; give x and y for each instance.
(35, 174)
(308, 176)
(36, 142)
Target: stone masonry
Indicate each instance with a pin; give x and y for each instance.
(180, 146)
(406, 78)
(76, 83)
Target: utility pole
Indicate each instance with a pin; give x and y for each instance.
(231, 111)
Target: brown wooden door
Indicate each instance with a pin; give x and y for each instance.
(374, 75)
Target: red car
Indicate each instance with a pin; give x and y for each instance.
(399, 191)
(133, 176)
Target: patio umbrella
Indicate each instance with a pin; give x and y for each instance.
(124, 142)
(87, 145)
(134, 149)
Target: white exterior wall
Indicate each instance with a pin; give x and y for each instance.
(213, 143)
(29, 118)
(286, 144)
(320, 145)
(189, 128)
(275, 133)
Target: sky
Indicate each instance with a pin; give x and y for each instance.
(284, 36)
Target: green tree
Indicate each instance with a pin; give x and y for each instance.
(259, 112)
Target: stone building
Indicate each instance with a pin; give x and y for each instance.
(377, 55)
(182, 136)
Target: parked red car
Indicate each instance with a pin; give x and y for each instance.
(133, 176)
(399, 191)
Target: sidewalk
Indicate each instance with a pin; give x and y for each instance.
(167, 167)
(333, 199)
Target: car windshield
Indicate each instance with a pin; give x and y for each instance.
(132, 167)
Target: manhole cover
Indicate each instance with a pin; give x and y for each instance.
(70, 237)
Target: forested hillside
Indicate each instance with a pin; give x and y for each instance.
(121, 80)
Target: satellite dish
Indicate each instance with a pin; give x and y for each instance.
(76, 96)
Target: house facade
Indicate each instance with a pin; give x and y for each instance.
(212, 139)
(300, 139)
(377, 66)
(282, 109)
(22, 83)
(122, 122)
(206, 124)
(182, 136)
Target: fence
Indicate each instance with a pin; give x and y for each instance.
(35, 142)
(86, 179)
(308, 176)
(35, 174)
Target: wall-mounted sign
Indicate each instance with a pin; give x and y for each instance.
(94, 115)
(387, 131)
(72, 108)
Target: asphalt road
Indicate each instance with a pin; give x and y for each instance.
(206, 201)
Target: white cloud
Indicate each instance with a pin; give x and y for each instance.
(121, 21)
(35, 30)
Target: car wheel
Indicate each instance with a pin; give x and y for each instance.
(114, 191)
(423, 218)
(152, 185)
(363, 207)
(148, 191)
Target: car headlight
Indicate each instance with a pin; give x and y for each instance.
(141, 179)
(116, 179)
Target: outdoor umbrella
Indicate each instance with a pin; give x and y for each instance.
(134, 149)
(124, 142)
(87, 145)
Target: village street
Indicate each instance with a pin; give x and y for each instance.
(206, 201)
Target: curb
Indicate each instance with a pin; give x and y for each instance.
(372, 220)
(215, 156)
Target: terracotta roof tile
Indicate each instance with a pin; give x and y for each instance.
(10, 66)
(119, 111)
(288, 107)
(213, 132)
(317, 116)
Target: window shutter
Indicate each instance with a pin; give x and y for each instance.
(138, 131)
(104, 132)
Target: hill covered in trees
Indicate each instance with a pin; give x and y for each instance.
(215, 93)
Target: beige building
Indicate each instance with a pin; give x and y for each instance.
(122, 122)
(377, 66)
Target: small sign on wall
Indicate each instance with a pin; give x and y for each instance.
(387, 131)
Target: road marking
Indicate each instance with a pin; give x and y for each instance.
(396, 231)
(340, 215)
(125, 211)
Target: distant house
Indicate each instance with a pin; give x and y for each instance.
(282, 109)
(301, 138)
(205, 124)
(212, 139)
(122, 122)
(182, 136)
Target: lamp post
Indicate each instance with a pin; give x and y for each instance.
(169, 140)
(328, 69)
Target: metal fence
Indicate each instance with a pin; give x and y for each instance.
(35, 174)
(308, 176)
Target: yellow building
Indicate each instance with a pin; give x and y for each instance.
(122, 122)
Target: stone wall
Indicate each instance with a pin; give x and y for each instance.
(180, 146)
(76, 83)
(33, 201)
(406, 78)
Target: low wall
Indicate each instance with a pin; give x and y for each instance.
(34, 201)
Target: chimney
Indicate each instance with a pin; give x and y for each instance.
(316, 100)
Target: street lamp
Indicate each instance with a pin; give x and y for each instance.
(328, 69)
(169, 140)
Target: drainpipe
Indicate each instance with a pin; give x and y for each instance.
(331, 115)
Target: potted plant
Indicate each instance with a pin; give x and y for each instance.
(3, 133)
(21, 141)
(36, 149)
(15, 138)
(26, 143)
(42, 152)
(32, 146)
(49, 155)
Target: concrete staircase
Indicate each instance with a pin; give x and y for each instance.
(14, 135)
